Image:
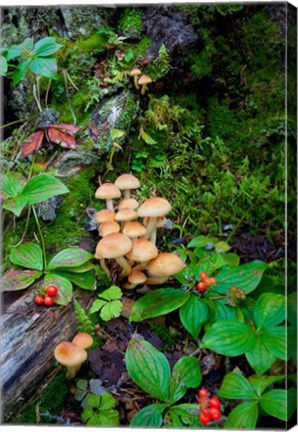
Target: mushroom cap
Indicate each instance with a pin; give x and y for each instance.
(137, 277)
(126, 214)
(142, 250)
(113, 246)
(107, 191)
(70, 354)
(165, 264)
(135, 71)
(127, 181)
(105, 215)
(128, 203)
(83, 340)
(145, 79)
(134, 229)
(154, 207)
(108, 227)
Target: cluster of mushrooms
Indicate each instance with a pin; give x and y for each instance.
(130, 242)
(140, 81)
(73, 354)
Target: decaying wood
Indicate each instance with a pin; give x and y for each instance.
(29, 334)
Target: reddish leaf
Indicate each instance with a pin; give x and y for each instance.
(16, 280)
(33, 143)
(65, 126)
(59, 137)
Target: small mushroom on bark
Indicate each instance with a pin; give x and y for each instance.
(142, 251)
(83, 340)
(134, 279)
(108, 227)
(144, 81)
(130, 203)
(108, 191)
(134, 230)
(70, 355)
(105, 215)
(135, 73)
(154, 208)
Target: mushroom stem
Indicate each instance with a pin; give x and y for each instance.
(140, 266)
(72, 371)
(135, 80)
(143, 89)
(157, 280)
(127, 193)
(125, 266)
(153, 236)
(110, 205)
(104, 267)
(151, 226)
(129, 286)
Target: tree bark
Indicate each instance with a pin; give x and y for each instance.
(29, 334)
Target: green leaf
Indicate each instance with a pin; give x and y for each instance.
(15, 205)
(27, 255)
(270, 310)
(3, 66)
(46, 47)
(231, 260)
(20, 71)
(292, 309)
(147, 138)
(158, 302)
(71, 257)
(221, 311)
(201, 241)
(185, 410)
(43, 187)
(99, 410)
(235, 386)
(193, 314)
(274, 340)
(11, 184)
(261, 383)
(111, 310)
(259, 357)
(16, 280)
(84, 280)
(107, 401)
(45, 67)
(186, 374)
(80, 269)
(292, 401)
(64, 295)
(149, 368)
(222, 246)
(97, 305)
(245, 276)
(274, 403)
(244, 416)
(116, 133)
(112, 293)
(230, 338)
(150, 416)
(16, 50)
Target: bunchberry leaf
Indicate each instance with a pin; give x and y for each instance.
(112, 293)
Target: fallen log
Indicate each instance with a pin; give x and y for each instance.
(29, 334)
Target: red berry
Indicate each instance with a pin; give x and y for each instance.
(200, 400)
(214, 413)
(206, 412)
(203, 392)
(48, 301)
(201, 286)
(38, 300)
(204, 419)
(51, 290)
(203, 275)
(212, 281)
(214, 402)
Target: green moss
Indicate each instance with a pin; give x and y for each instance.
(51, 402)
(68, 227)
(131, 23)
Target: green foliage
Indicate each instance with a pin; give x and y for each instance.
(84, 322)
(69, 265)
(150, 370)
(37, 57)
(17, 193)
(131, 23)
(108, 303)
(99, 410)
(255, 394)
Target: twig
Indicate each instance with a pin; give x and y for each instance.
(25, 230)
(67, 96)
(47, 93)
(16, 121)
(36, 98)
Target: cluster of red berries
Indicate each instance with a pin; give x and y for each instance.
(210, 407)
(205, 281)
(46, 298)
